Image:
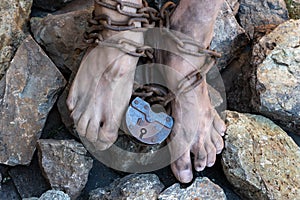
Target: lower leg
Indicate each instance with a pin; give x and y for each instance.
(192, 111)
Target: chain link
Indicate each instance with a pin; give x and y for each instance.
(149, 17)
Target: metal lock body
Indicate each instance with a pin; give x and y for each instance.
(145, 125)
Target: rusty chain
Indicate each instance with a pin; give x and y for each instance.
(149, 17)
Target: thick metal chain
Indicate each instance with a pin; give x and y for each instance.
(143, 15)
(149, 17)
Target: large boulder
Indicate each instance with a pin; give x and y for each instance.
(65, 165)
(260, 160)
(261, 12)
(14, 15)
(229, 37)
(202, 188)
(62, 37)
(134, 186)
(32, 85)
(276, 86)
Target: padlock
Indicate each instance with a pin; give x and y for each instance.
(146, 125)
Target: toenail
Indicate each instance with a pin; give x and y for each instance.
(199, 169)
(185, 176)
(210, 164)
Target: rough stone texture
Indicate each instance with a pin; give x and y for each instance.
(32, 85)
(294, 8)
(65, 165)
(14, 15)
(261, 12)
(76, 5)
(276, 86)
(202, 188)
(229, 38)
(29, 180)
(50, 5)
(260, 160)
(51, 195)
(134, 186)
(234, 5)
(62, 37)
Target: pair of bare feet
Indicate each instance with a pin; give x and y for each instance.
(102, 88)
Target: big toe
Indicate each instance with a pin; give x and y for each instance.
(182, 168)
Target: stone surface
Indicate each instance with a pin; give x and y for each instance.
(8, 191)
(62, 37)
(229, 37)
(202, 188)
(32, 85)
(294, 8)
(276, 58)
(50, 5)
(65, 165)
(51, 195)
(134, 186)
(234, 5)
(14, 14)
(260, 160)
(261, 12)
(29, 180)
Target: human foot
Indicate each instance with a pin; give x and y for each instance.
(103, 85)
(197, 125)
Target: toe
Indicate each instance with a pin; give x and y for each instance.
(200, 158)
(107, 136)
(217, 141)
(92, 131)
(82, 124)
(182, 168)
(71, 100)
(211, 154)
(219, 124)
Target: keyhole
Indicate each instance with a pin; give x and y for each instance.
(143, 132)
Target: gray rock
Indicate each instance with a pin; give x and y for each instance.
(260, 160)
(62, 37)
(50, 5)
(261, 12)
(234, 5)
(202, 188)
(51, 195)
(134, 186)
(229, 37)
(14, 14)
(32, 85)
(65, 165)
(29, 180)
(76, 5)
(277, 68)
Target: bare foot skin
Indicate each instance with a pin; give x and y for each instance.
(192, 111)
(103, 86)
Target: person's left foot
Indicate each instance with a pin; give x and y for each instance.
(197, 126)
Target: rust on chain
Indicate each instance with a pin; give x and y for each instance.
(149, 17)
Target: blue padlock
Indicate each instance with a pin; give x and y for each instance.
(145, 125)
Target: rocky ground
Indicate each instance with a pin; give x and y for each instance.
(41, 47)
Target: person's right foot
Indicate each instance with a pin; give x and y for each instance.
(196, 123)
(103, 86)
